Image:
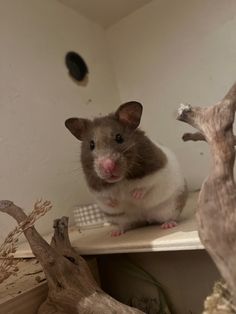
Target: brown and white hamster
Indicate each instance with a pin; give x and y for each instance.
(134, 180)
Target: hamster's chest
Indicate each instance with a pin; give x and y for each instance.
(146, 192)
(122, 192)
(125, 194)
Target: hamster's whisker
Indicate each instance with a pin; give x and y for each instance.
(132, 164)
(129, 147)
(138, 158)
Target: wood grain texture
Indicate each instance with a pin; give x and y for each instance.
(216, 213)
(71, 286)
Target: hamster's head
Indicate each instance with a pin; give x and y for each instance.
(108, 143)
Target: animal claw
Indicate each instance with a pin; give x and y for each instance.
(138, 194)
(117, 233)
(169, 224)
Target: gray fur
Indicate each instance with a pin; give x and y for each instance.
(139, 156)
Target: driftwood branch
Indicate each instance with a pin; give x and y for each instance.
(193, 137)
(197, 136)
(219, 302)
(216, 211)
(72, 288)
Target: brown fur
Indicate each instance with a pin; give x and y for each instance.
(135, 157)
(141, 156)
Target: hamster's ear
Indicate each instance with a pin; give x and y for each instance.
(77, 127)
(130, 114)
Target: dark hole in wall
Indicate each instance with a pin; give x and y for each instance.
(76, 66)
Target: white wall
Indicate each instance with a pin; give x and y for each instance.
(38, 156)
(164, 53)
(176, 51)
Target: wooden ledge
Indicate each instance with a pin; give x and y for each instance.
(147, 239)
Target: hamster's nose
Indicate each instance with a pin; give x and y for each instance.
(108, 165)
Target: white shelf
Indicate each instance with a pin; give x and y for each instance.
(147, 239)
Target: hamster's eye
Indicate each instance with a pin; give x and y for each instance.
(92, 145)
(119, 138)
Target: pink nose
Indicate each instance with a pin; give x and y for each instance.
(108, 165)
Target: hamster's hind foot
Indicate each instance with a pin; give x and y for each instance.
(169, 224)
(117, 233)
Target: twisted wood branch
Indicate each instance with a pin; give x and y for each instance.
(216, 213)
(72, 288)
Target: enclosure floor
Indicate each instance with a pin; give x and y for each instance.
(24, 292)
(146, 239)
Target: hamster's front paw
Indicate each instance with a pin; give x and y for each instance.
(138, 194)
(117, 233)
(169, 224)
(111, 202)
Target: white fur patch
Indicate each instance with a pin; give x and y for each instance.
(159, 187)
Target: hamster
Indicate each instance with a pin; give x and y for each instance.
(134, 180)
